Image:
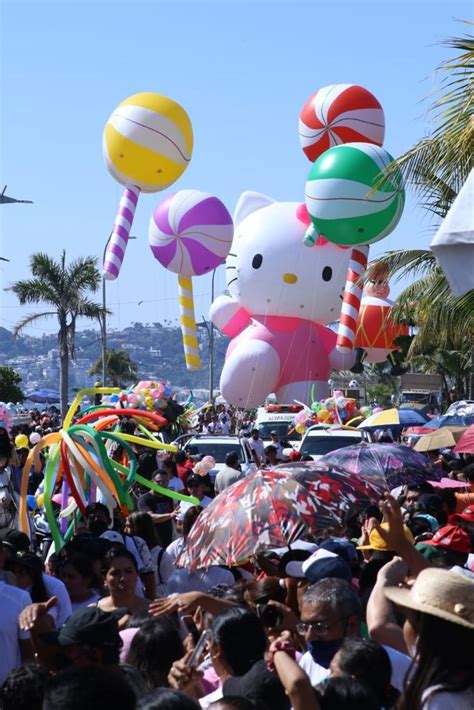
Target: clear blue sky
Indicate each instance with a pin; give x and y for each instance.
(241, 69)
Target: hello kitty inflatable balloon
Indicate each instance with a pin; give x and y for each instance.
(281, 296)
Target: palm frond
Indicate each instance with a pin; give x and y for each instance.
(34, 291)
(439, 164)
(402, 263)
(27, 320)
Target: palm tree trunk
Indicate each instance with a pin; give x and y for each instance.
(64, 371)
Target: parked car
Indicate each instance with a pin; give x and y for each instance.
(319, 440)
(219, 447)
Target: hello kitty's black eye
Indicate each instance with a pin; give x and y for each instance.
(327, 273)
(257, 261)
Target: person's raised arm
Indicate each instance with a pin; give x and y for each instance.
(381, 622)
(188, 602)
(293, 678)
(395, 538)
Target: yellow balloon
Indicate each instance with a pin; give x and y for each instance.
(323, 414)
(21, 441)
(300, 428)
(148, 142)
(40, 500)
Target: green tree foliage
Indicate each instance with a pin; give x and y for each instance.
(64, 289)
(10, 390)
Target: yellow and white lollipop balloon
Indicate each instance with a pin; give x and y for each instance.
(147, 145)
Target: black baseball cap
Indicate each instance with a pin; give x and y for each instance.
(89, 626)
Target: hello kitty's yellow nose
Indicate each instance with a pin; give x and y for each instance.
(290, 278)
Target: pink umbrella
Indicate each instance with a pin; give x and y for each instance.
(448, 483)
(465, 444)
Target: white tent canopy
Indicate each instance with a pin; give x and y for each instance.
(453, 244)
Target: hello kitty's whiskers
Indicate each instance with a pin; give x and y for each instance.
(230, 267)
(232, 281)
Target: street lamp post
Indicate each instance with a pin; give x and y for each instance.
(103, 321)
(211, 346)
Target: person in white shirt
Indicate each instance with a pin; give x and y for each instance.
(15, 645)
(257, 448)
(331, 612)
(174, 482)
(196, 487)
(277, 444)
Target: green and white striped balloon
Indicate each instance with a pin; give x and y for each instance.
(339, 199)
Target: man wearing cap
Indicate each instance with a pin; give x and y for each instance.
(91, 637)
(330, 612)
(230, 474)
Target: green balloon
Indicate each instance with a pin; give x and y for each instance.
(339, 200)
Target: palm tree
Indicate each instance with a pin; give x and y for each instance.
(63, 288)
(436, 168)
(121, 370)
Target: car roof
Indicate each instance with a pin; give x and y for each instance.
(207, 438)
(317, 431)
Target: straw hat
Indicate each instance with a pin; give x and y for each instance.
(440, 593)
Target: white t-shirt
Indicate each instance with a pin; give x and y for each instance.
(447, 701)
(257, 446)
(63, 609)
(175, 548)
(164, 571)
(176, 484)
(400, 664)
(88, 602)
(185, 506)
(12, 603)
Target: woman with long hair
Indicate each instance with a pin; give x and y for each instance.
(439, 634)
(121, 577)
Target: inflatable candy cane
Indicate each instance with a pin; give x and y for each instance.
(190, 234)
(188, 323)
(351, 302)
(147, 145)
(118, 241)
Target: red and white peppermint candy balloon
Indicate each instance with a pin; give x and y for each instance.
(340, 113)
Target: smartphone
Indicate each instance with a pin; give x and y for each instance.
(191, 628)
(193, 660)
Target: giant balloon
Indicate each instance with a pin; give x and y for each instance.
(147, 145)
(339, 197)
(376, 330)
(190, 233)
(340, 113)
(281, 296)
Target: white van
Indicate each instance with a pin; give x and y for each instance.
(279, 418)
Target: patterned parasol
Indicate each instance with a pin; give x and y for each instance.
(272, 509)
(384, 466)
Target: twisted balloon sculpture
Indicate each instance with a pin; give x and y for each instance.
(79, 459)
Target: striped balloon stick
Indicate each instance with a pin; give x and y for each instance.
(188, 323)
(351, 302)
(118, 241)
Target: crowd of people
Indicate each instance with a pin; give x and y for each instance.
(376, 613)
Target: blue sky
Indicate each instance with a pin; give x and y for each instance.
(242, 70)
